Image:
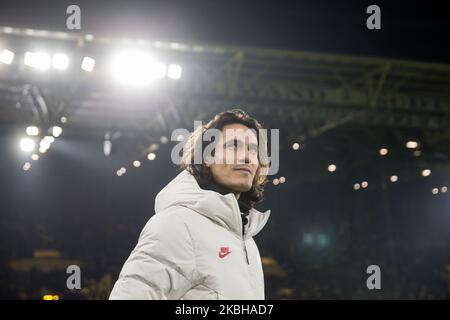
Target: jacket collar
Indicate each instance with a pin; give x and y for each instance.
(223, 210)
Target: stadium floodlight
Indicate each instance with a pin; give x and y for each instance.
(426, 172)
(6, 56)
(136, 163)
(27, 166)
(50, 139)
(32, 131)
(56, 131)
(44, 145)
(88, 64)
(107, 146)
(37, 60)
(174, 71)
(412, 144)
(27, 144)
(383, 151)
(136, 68)
(60, 61)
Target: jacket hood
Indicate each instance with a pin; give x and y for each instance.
(223, 210)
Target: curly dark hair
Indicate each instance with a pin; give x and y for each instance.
(202, 173)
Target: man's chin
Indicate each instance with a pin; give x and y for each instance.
(242, 187)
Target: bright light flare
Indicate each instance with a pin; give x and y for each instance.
(332, 167)
(27, 166)
(412, 144)
(56, 131)
(37, 60)
(60, 61)
(136, 68)
(32, 131)
(6, 56)
(27, 144)
(136, 163)
(174, 71)
(88, 64)
(426, 172)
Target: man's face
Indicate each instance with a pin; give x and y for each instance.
(236, 158)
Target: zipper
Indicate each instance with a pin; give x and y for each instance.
(243, 243)
(243, 232)
(246, 254)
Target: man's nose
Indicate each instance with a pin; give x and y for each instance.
(244, 156)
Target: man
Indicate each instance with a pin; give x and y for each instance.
(199, 244)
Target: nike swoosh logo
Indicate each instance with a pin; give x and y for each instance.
(223, 255)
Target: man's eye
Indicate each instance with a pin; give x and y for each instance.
(231, 145)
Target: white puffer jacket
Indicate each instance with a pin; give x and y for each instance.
(193, 248)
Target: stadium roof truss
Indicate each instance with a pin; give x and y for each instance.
(312, 91)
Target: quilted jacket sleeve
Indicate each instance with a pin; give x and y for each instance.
(162, 265)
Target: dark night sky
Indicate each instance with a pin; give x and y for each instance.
(415, 30)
